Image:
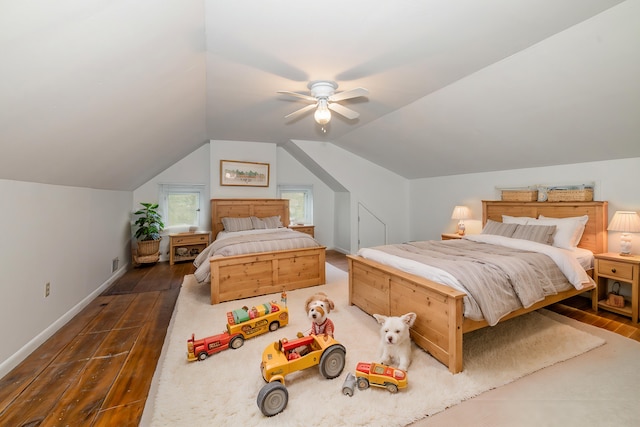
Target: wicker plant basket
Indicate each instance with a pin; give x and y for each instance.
(581, 195)
(148, 247)
(524, 195)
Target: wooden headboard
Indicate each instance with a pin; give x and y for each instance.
(595, 232)
(241, 208)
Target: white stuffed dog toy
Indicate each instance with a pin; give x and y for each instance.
(395, 342)
(318, 307)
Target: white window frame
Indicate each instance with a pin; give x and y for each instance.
(168, 189)
(308, 199)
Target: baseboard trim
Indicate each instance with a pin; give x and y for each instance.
(16, 358)
(341, 250)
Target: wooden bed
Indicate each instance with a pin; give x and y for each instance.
(440, 324)
(244, 276)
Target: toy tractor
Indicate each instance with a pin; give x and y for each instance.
(284, 357)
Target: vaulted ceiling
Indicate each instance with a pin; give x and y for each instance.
(108, 94)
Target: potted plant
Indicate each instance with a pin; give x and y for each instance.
(150, 225)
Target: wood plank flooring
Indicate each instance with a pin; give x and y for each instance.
(97, 370)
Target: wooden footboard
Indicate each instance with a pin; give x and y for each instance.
(439, 326)
(244, 276)
(376, 288)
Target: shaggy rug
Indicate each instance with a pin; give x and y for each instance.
(222, 389)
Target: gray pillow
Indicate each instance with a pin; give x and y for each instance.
(237, 224)
(267, 222)
(499, 228)
(535, 233)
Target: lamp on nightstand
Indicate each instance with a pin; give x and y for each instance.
(461, 213)
(625, 222)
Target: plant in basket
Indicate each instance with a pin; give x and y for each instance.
(150, 225)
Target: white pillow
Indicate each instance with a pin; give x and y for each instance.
(522, 220)
(568, 230)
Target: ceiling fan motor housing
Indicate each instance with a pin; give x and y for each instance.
(322, 88)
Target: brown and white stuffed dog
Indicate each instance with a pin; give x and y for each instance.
(318, 307)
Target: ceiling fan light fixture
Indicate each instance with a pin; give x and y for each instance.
(322, 114)
(324, 98)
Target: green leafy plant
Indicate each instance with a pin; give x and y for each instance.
(149, 222)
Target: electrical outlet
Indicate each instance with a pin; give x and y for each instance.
(47, 289)
(114, 264)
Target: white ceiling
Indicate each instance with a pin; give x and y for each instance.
(108, 94)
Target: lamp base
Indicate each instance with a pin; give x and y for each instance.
(461, 229)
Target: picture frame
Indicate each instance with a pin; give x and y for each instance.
(244, 174)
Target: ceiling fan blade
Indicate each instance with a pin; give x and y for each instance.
(344, 111)
(298, 95)
(301, 111)
(348, 94)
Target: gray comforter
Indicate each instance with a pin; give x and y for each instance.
(241, 244)
(497, 279)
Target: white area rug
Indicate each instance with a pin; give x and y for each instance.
(222, 390)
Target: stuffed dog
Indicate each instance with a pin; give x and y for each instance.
(318, 307)
(395, 341)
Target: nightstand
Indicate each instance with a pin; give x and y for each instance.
(450, 236)
(309, 229)
(619, 268)
(187, 246)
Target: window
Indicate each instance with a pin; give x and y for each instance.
(181, 205)
(300, 202)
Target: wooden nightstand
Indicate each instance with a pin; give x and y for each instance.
(450, 236)
(309, 229)
(187, 246)
(622, 269)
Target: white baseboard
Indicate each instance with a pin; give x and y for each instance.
(341, 250)
(15, 359)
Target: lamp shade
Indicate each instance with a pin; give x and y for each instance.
(625, 221)
(461, 212)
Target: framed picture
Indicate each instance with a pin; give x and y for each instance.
(246, 174)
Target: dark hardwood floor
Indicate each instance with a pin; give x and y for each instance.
(97, 370)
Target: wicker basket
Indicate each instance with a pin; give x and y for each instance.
(580, 195)
(524, 195)
(148, 247)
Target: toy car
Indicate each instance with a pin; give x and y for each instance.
(200, 349)
(284, 357)
(349, 385)
(243, 323)
(380, 375)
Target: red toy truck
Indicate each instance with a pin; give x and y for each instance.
(242, 323)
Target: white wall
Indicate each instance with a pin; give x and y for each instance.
(342, 214)
(260, 152)
(432, 200)
(67, 236)
(192, 169)
(292, 172)
(384, 193)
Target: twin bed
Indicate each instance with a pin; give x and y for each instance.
(379, 286)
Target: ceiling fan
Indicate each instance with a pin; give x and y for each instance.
(324, 99)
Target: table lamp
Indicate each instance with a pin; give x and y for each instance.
(625, 222)
(461, 213)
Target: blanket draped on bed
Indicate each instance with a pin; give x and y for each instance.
(497, 279)
(278, 240)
